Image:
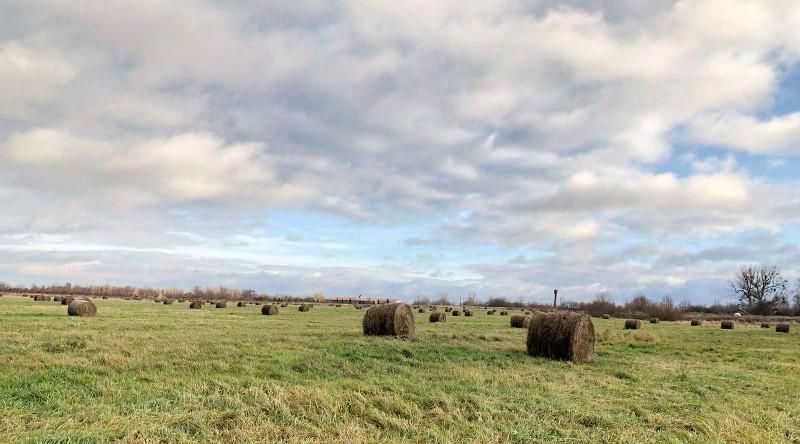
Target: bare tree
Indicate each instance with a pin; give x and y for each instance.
(761, 289)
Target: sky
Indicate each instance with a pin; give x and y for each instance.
(400, 149)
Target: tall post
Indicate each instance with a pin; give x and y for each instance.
(555, 297)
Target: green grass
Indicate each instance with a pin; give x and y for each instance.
(141, 372)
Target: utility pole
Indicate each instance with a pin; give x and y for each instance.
(555, 297)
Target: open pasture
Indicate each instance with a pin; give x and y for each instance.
(140, 372)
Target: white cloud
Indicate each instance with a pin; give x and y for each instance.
(506, 124)
(775, 135)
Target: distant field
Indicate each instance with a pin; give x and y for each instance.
(141, 372)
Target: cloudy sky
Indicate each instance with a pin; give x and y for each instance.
(408, 148)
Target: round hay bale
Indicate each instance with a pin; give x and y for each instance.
(359, 307)
(527, 322)
(196, 305)
(67, 300)
(503, 313)
(455, 313)
(420, 310)
(606, 316)
(437, 316)
(389, 320)
(654, 320)
(57, 299)
(562, 335)
(284, 305)
(448, 309)
(467, 312)
(181, 301)
(303, 308)
(782, 328)
(241, 304)
(81, 307)
(726, 325)
(765, 325)
(167, 301)
(269, 310)
(696, 323)
(221, 305)
(490, 312)
(338, 305)
(105, 297)
(633, 324)
(517, 321)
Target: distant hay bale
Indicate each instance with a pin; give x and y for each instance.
(241, 304)
(467, 312)
(181, 301)
(632, 324)
(167, 301)
(284, 305)
(437, 316)
(420, 310)
(269, 310)
(338, 305)
(359, 307)
(782, 328)
(726, 325)
(567, 336)
(196, 305)
(696, 323)
(57, 299)
(517, 321)
(221, 305)
(157, 301)
(448, 309)
(765, 325)
(105, 297)
(81, 307)
(503, 313)
(606, 316)
(654, 320)
(490, 312)
(455, 313)
(389, 320)
(303, 308)
(66, 300)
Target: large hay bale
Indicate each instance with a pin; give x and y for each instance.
(196, 305)
(517, 321)
(765, 325)
(303, 308)
(467, 312)
(606, 316)
(782, 328)
(490, 312)
(67, 300)
(503, 313)
(57, 299)
(561, 335)
(455, 313)
(654, 320)
(632, 324)
(221, 305)
(448, 309)
(696, 323)
(437, 316)
(167, 301)
(726, 325)
(389, 320)
(81, 307)
(421, 310)
(269, 310)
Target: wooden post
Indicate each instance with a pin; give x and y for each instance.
(555, 297)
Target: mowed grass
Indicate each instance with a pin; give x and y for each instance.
(142, 372)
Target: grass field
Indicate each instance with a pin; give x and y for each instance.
(141, 372)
